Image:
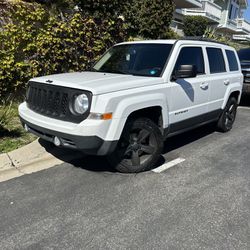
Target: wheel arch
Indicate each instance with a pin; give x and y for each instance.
(236, 95)
(153, 113)
(153, 107)
(233, 92)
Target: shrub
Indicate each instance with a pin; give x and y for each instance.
(149, 18)
(195, 25)
(103, 8)
(37, 42)
(6, 114)
(16, 37)
(73, 46)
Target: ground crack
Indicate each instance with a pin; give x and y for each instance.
(14, 165)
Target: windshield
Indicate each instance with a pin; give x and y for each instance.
(244, 54)
(135, 59)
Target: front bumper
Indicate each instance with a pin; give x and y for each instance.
(92, 145)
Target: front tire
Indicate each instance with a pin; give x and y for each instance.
(228, 116)
(139, 148)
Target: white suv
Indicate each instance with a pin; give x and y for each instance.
(136, 95)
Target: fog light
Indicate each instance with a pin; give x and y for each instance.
(26, 128)
(57, 141)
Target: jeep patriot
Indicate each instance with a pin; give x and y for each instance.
(135, 97)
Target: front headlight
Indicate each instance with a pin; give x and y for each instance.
(81, 104)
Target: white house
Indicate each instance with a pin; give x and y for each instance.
(226, 16)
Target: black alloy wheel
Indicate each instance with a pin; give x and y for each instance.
(139, 148)
(228, 115)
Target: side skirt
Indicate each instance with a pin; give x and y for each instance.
(192, 123)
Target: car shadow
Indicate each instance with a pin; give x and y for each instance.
(245, 101)
(76, 158)
(188, 137)
(100, 164)
(187, 88)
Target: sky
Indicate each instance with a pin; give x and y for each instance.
(247, 12)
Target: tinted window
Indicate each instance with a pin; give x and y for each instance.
(216, 60)
(135, 59)
(233, 64)
(244, 54)
(191, 56)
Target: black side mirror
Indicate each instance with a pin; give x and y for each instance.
(185, 71)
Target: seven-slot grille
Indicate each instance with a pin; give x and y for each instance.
(53, 101)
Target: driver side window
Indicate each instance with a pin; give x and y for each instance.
(191, 56)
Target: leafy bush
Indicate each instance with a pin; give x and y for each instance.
(73, 46)
(16, 38)
(43, 37)
(37, 42)
(149, 18)
(103, 8)
(195, 25)
(6, 114)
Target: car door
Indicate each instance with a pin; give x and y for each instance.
(189, 96)
(218, 79)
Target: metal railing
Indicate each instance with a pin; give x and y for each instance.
(244, 25)
(208, 9)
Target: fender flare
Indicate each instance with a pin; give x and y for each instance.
(233, 88)
(132, 104)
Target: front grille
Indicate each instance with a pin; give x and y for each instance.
(246, 74)
(54, 101)
(245, 66)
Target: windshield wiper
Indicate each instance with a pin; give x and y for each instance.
(118, 72)
(110, 71)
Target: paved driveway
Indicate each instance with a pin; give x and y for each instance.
(202, 203)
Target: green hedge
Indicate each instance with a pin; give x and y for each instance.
(103, 8)
(195, 25)
(51, 36)
(149, 18)
(38, 43)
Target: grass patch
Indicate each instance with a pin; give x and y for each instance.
(12, 134)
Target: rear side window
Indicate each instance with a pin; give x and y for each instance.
(232, 61)
(191, 56)
(216, 60)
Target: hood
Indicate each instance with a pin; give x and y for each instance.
(98, 83)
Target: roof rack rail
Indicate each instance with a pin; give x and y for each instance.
(200, 38)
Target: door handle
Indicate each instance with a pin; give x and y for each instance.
(204, 85)
(226, 82)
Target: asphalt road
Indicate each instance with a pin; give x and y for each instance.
(202, 203)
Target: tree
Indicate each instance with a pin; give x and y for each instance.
(102, 8)
(39, 42)
(149, 18)
(195, 25)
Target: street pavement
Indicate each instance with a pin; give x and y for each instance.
(201, 203)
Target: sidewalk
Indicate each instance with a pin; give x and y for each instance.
(32, 158)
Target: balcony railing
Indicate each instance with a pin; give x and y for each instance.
(243, 25)
(241, 37)
(209, 9)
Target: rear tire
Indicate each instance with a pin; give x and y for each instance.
(227, 118)
(139, 147)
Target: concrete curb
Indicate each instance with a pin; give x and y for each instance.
(32, 158)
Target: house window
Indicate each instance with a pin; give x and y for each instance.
(234, 9)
